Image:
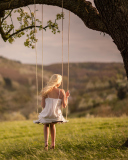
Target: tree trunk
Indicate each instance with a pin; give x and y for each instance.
(125, 144)
(114, 13)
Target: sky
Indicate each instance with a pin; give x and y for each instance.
(86, 45)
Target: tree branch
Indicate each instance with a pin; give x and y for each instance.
(81, 8)
(29, 27)
(9, 31)
(12, 24)
(30, 13)
(7, 16)
(5, 37)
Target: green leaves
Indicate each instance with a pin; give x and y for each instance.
(54, 26)
(7, 27)
(27, 24)
(31, 40)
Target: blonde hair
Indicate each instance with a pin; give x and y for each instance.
(53, 81)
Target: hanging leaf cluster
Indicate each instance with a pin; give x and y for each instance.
(27, 26)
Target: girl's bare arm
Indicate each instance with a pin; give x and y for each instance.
(64, 98)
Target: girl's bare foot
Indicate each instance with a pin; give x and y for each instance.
(52, 147)
(46, 147)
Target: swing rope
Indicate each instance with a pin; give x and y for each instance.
(68, 63)
(42, 51)
(36, 56)
(62, 49)
(42, 47)
(68, 57)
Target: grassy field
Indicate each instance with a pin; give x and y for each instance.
(81, 138)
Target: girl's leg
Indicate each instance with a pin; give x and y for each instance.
(46, 134)
(53, 133)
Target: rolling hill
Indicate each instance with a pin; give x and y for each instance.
(94, 88)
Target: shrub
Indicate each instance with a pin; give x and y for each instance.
(15, 116)
(33, 116)
(8, 82)
(121, 92)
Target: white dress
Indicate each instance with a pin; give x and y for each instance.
(52, 112)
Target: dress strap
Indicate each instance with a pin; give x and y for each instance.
(59, 93)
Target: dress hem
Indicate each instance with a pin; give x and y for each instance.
(50, 122)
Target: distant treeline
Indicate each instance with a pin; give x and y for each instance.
(98, 89)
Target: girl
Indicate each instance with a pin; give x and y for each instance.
(52, 100)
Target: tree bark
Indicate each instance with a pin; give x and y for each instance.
(125, 144)
(114, 13)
